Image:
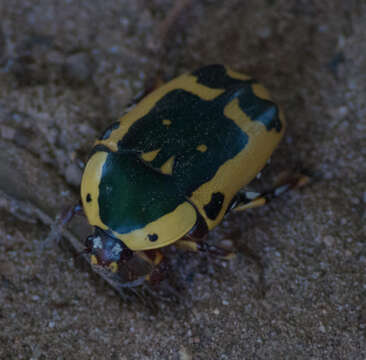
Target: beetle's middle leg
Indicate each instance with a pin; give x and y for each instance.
(248, 200)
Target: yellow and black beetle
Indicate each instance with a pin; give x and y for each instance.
(171, 168)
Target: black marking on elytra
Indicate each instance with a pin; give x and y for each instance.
(195, 122)
(257, 109)
(213, 208)
(88, 198)
(107, 133)
(153, 237)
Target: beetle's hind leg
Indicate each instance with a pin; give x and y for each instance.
(151, 84)
(194, 246)
(247, 200)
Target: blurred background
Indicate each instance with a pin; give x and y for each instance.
(67, 70)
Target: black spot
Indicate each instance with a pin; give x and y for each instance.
(213, 208)
(153, 237)
(88, 198)
(107, 133)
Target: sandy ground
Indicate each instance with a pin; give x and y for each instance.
(68, 68)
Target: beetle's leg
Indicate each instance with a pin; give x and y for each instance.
(70, 213)
(60, 223)
(248, 200)
(168, 28)
(151, 84)
(190, 245)
(160, 265)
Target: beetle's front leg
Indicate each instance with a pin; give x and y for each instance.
(160, 265)
(60, 223)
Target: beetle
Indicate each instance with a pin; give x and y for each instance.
(170, 169)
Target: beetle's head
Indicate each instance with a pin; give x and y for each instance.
(106, 250)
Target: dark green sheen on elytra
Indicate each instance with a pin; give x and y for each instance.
(132, 195)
